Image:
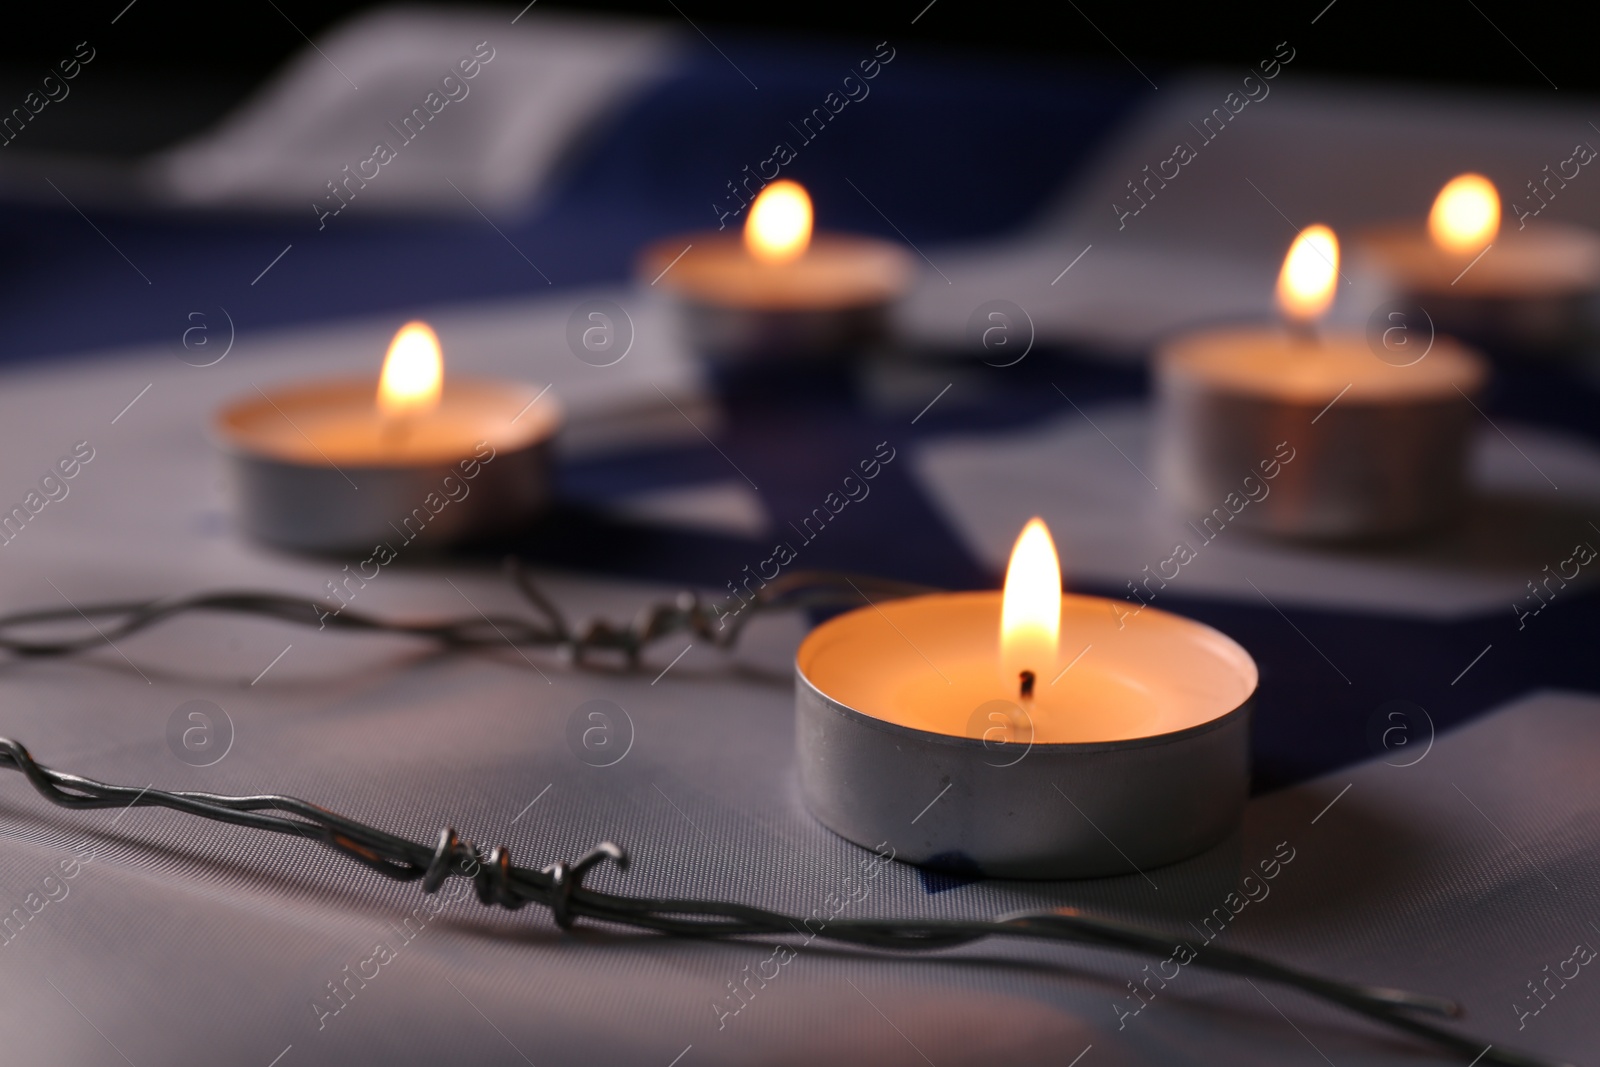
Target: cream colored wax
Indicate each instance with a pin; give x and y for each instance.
(933, 663)
(338, 422)
(1273, 362)
(837, 271)
(1544, 260)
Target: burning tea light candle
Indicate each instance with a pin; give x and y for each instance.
(1314, 433)
(357, 462)
(1013, 733)
(1524, 287)
(777, 289)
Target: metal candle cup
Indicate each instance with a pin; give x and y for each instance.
(317, 468)
(1373, 448)
(1133, 756)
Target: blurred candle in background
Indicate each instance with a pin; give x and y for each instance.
(346, 463)
(778, 290)
(1520, 291)
(1313, 434)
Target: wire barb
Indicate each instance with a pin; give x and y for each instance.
(565, 878)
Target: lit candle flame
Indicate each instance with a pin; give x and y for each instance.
(413, 372)
(1310, 272)
(779, 226)
(1030, 607)
(1465, 215)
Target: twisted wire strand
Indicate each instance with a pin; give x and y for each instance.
(498, 882)
(717, 622)
(559, 887)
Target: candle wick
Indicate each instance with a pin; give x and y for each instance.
(396, 429)
(1027, 679)
(1303, 334)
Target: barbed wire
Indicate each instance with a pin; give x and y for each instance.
(559, 886)
(719, 622)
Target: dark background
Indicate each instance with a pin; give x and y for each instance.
(1454, 42)
(175, 66)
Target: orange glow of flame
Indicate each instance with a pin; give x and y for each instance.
(1465, 215)
(1030, 607)
(779, 226)
(1310, 272)
(413, 372)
